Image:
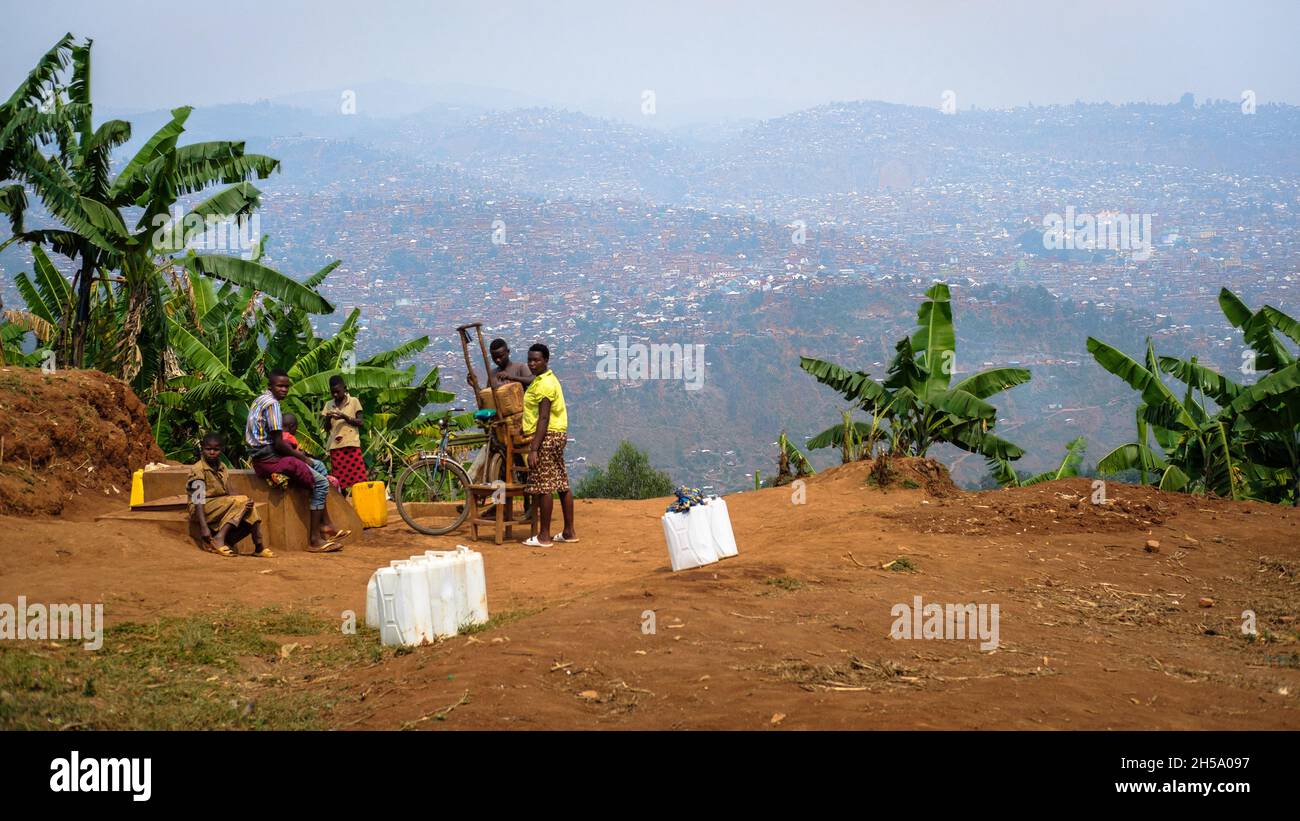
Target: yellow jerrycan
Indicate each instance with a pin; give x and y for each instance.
(371, 503)
(137, 488)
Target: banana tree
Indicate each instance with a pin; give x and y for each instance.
(1221, 437)
(1145, 379)
(791, 462)
(917, 405)
(1006, 475)
(228, 339)
(111, 315)
(14, 328)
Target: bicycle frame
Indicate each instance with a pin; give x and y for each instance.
(441, 454)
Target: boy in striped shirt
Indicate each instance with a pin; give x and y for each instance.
(271, 453)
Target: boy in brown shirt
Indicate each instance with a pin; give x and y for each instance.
(219, 519)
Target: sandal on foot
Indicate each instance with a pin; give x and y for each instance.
(561, 538)
(337, 535)
(263, 553)
(329, 547)
(532, 541)
(220, 550)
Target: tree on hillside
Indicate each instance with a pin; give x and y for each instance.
(240, 335)
(1005, 475)
(791, 463)
(629, 475)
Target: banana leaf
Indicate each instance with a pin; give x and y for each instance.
(855, 386)
(1131, 456)
(255, 275)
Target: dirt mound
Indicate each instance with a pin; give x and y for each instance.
(67, 434)
(1064, 506)
(894, 473)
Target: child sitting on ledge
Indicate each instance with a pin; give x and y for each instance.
(281, 481)
(219, 519)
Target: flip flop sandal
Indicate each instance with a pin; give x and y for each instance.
(264, 553)
(329, 547)
(532, 541)
(339, 535)
(220, 550)
(561, 538)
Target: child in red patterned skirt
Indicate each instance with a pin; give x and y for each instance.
(343, 423)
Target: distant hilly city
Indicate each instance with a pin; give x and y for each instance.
(812, 233)
(868, 365)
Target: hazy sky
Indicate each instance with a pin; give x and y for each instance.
(599, 56)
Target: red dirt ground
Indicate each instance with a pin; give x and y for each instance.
(68, 437)
(1096, 631)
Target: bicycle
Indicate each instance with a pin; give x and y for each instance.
(432, 491)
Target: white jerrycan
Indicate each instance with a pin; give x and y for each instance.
(386, 598)
(720, 525)
(475, 585)
(460, 590)
(444, 605)
(700, 529)
(683, 552)
(413, 601)
(373, 607)
(427, 596)
(455, 585)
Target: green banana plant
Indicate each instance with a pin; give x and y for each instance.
(111, 315)
(1221, 437)
(916, 405)
(1005, 473)
(226, 340)
(791, 462)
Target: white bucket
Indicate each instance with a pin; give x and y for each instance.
(444, 605)
(462, 585)
(412, 602)
(417, 588)
(699, 528)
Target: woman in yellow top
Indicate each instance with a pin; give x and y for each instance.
(546, 420)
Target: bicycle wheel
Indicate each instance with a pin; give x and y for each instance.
(432, 496)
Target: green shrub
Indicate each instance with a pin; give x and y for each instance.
(629, 475)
